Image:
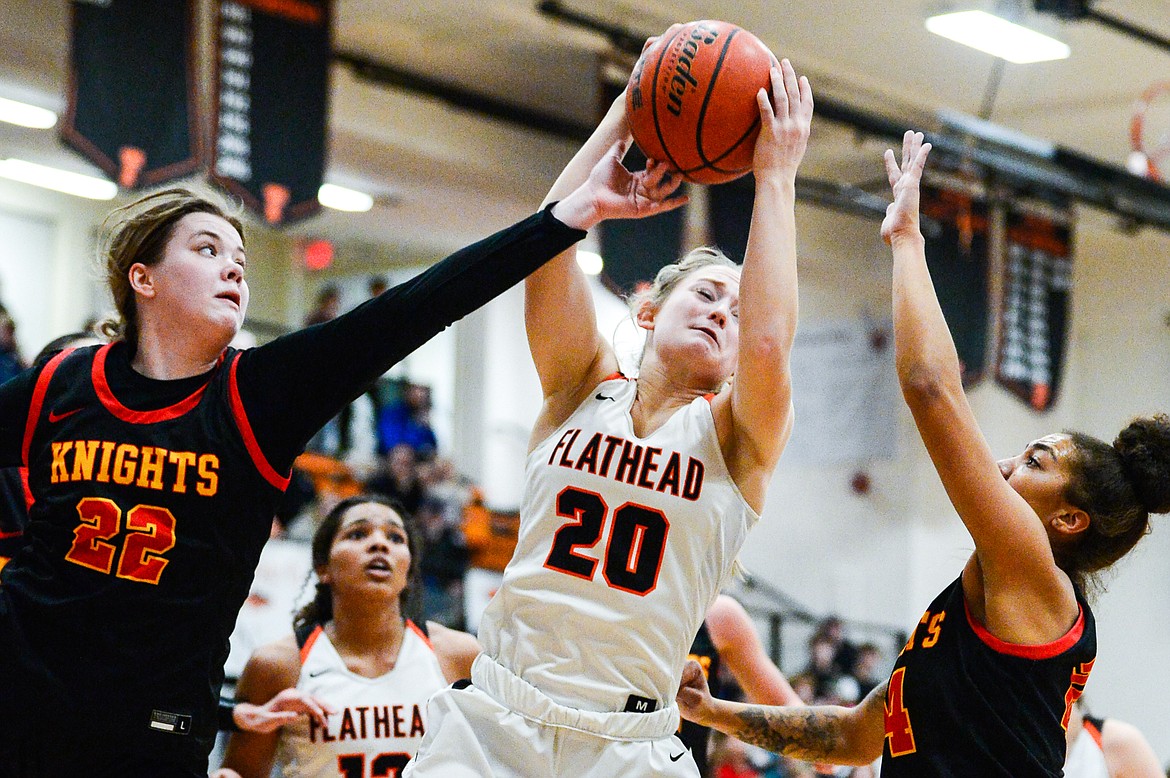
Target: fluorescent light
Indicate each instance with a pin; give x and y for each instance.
(343, 199)
(996, 36)
(590, 262)
(26, 115)
(58, 180)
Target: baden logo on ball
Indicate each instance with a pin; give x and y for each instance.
(691, 100)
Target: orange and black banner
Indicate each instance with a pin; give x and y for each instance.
(959, 261)
(271, 105)
(132, 94)
(1034, 314)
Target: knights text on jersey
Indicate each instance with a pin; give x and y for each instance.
(623, 544)
(961, 702)
(144, 530)
(380, 721)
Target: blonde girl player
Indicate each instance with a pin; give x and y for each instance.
(639, 492)
(986, 683)
(355, 649)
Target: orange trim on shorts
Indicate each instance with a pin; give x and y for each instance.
(1040, 651)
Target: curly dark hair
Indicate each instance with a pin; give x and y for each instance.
(320, 609)
(1118, 486)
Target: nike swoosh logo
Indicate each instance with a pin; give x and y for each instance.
(677, 757)
(601, 396)
(55, 417)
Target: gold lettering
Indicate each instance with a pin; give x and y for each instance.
(60, 472)
(84, 454)
(208, 464)
(125, 463)
(182, 459)
(150, 471)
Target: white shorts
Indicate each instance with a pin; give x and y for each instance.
(470, 734)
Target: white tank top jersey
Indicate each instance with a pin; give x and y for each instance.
(380, 721)
(624, 542)
(1086, 759)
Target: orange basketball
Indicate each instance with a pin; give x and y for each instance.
(691, 100)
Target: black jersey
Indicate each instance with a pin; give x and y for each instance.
(963, 703)
(152, 500)
(695, 736)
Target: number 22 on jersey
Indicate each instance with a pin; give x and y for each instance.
(150, 533)
(633, 554)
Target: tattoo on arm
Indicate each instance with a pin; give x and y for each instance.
(810, 734)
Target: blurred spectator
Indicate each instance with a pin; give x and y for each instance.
(408, 420)
(821, 668)
(351, 437)
(399, 478)
(443, 566)
(832, 629)
(327, 306)
(377, 285)
(11, 362)
(868, 669)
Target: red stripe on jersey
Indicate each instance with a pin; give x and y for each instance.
(28, 497)
(34, 408)
(1040, 651)
(120, 411)
(426, 639)
(241, 416)
(614, 376)
(305, 649)
(16, 534)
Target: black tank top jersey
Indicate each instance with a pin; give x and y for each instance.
(145, 529)
(963, 703)
(152, 500)
(13, 511)
(695, 736)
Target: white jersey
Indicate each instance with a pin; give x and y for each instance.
(624, 542)
(1087, 759)
(380, 721)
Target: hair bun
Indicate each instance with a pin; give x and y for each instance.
(1144, 448)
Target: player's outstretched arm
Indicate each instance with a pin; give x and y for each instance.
(820, 733)
(761, 394)
(1027, 599)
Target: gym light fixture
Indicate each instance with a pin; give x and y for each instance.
(58, 180)
(341, 198)
(998, 37)
(26, 115)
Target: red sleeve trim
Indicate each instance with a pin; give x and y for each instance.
(120, 411)
(34, 411)
(28, 495)
(241, 416)
(309, 641)
(614, 376)
(6, 535)
(425, 638)
(1040, 651)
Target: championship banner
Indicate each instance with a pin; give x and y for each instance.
(131, 103)
(271, 103)
(1034, 314)
(959, 265)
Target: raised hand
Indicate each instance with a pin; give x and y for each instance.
(905, 179)
(613, 192)
(785, 121)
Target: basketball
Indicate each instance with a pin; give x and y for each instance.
(691, 100)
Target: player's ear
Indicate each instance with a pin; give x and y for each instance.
(141, 280)
(644, 317)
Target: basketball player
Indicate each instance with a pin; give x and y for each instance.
(13, 500)
(1107, 748)
(354, 648)
(156, 463)
(639, 492)
(984, 685)
(728, 638)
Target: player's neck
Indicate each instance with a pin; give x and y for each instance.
(657, 398)
(171, 355)
(371, 631)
